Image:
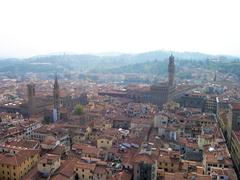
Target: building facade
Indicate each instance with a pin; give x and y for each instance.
(158, 94)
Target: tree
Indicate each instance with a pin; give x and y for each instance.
(46, 120)
(78, 110)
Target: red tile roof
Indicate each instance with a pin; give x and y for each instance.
(236, 106)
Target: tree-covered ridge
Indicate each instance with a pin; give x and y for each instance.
(150, 62)
(160, 67)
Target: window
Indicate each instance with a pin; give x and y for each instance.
(44, 165)
(83, 176)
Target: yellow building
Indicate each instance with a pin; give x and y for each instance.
(89, 171)
(85, 150)
(235, 149)
(84, 170)
(168, 161)
(48, 164)
(107, 125)
(105, 142)
(100, 172)
(225, 122)
(16, 165)
(216, 157)
(81, 136)
(205, 139)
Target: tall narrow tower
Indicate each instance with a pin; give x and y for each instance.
(215, 77)
(171, 70)
(56, 100)
(31, 98)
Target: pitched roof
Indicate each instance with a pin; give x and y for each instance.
(17, 158)
(146, 158)
(83, 165)
(84, 148)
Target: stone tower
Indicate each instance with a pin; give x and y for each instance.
(31, 98)
(215, 77)
(56, 100)
(171, 71)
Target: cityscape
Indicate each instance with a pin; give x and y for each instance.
(119, 109)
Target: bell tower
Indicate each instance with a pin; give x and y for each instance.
(31, 98)
(56, 100)
(171, 71)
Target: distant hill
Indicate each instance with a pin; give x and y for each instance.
(99, 63)
(160, 67)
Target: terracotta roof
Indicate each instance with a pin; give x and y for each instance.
(18, 158)
(169, 156)
(84, 148)
(49, 157)
(226, 171)
(67, 168)
(30, 144)
(49, 141)
(100, 169)
(59, 150)
(60, 177)
(143, 158)
(83, 165)
(122, 176)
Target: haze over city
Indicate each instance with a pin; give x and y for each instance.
(30, 27)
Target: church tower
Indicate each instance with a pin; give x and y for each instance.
(31, 98)
(56, 100)
(171, 71)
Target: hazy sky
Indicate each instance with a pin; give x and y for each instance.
(34, 27)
